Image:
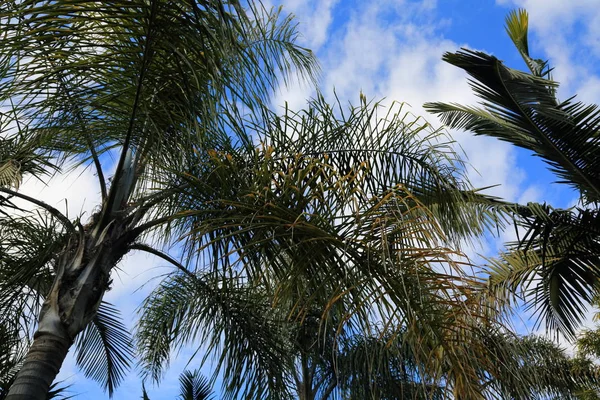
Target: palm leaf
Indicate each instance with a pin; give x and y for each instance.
(137, 73)
(235, 324)
(547, 371)
(366, 153)
(105, 348)
(522, 109)
(194, 386)
(342, 213)
(554, 266)
(555, 263)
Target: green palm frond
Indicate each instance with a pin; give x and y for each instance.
(517, 25)
(545, 369)
(380, 366)
(522, 109)
(304, 157)
(236, 325)
(342, 213)
(555, 265)
(194, 386)
(20, 156)
(105, 348)
(138, 74)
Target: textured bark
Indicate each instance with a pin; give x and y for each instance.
(41, 366)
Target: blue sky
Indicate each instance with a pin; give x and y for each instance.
(390, 49)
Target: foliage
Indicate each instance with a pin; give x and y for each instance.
(555, 264)
(148, 83)
(326, 267)
(193, 386)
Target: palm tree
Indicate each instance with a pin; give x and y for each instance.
(153, 83)
(338, 276)
(104, 348)
(555, 265)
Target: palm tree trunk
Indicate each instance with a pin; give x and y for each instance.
(79, 285)
(306, 389)
(41, 366)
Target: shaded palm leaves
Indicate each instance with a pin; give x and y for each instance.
(238, 326)
(556, 261)
(339, 219)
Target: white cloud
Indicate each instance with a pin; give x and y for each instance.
(73, 193)
(392, 50)
(314, 18)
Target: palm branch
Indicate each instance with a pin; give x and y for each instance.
(193, 386)
(556, 261)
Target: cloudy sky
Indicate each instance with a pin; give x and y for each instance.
(391, 49)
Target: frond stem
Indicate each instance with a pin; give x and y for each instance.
(138, 94)
(60, 216)
(98, 166)
(166, 257)
(135, 232)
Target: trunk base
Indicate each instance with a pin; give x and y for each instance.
(41, 366)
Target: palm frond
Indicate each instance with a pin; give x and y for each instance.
(105, 348)
(555, 263)
(194, 386)
(522, 109)
(517, 26)
(342, 213)
(381, 366)
(304, 157)
(237, 326)
(139, 73)
(554, 266)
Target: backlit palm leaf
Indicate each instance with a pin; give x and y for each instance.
(105, 348)
(194, 386)
(236, 324)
